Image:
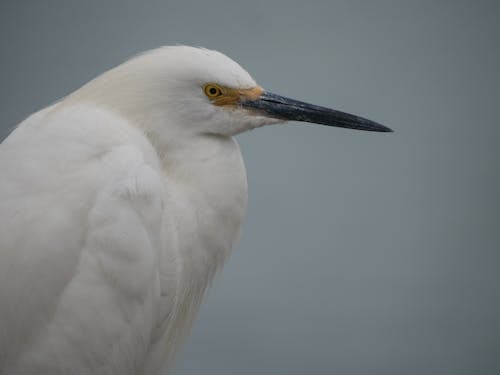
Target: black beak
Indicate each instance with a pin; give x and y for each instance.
(284, 108)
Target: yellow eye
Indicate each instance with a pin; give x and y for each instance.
(212, 90)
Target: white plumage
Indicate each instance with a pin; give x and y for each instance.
(118, 205)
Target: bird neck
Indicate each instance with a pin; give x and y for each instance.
(206, 179)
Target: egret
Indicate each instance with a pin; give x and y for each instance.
(120, 203)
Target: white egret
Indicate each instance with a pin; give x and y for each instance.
(118, 205)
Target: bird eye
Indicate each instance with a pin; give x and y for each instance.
(212, 90)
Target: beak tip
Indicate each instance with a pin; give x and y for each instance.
(373, 126)
(385, 129)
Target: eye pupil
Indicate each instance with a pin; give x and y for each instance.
(212, 90)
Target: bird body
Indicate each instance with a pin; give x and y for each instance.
(119, 205)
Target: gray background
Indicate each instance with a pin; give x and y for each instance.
(362, 253)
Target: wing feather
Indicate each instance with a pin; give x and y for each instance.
(80, 238)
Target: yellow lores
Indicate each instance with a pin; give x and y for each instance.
(226, 96)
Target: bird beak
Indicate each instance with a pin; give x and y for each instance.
(283, 108)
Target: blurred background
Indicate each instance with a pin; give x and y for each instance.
(362, 253)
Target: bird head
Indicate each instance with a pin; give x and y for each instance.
(199, 91)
